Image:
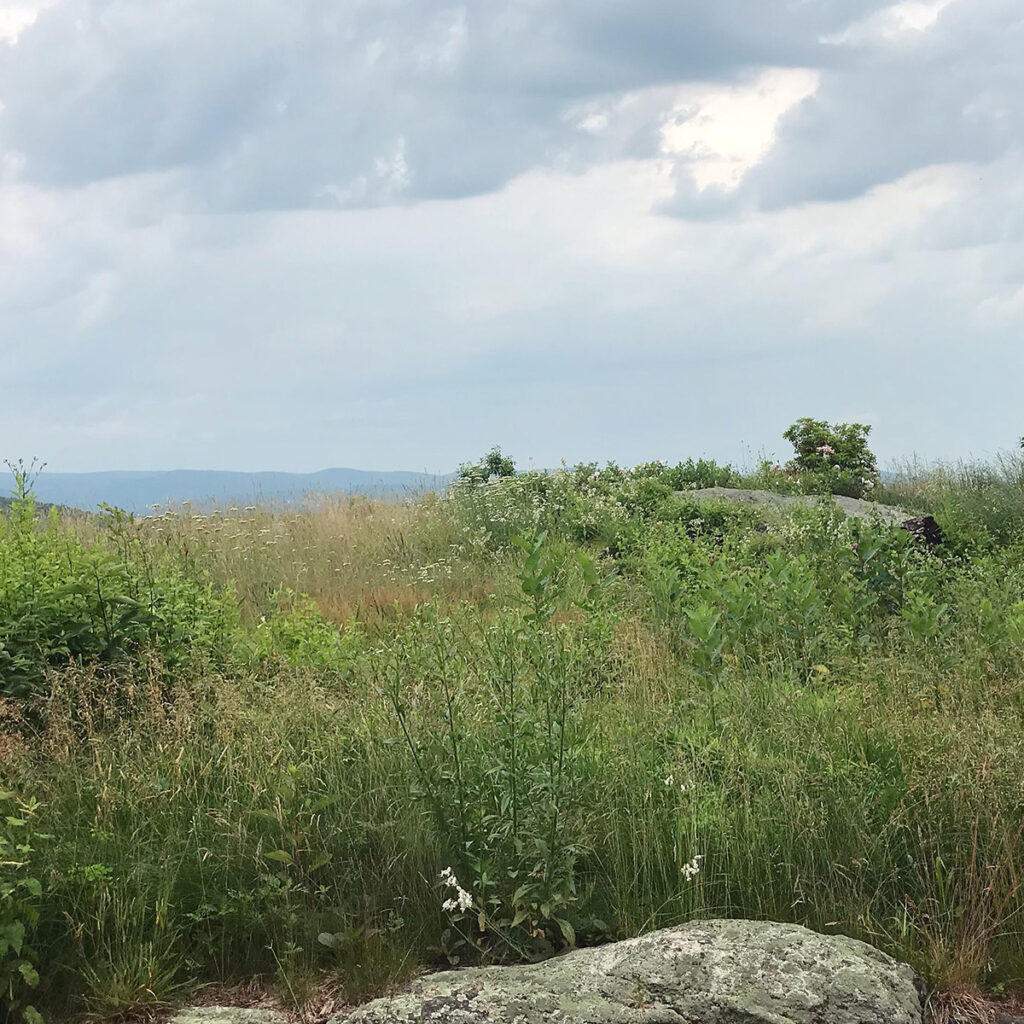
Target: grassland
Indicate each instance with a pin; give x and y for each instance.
(239, 749)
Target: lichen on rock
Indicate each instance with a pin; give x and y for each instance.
(711, 972)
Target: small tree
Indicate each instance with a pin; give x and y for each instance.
(491, 465)
(833, 457)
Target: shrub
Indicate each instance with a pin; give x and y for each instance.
(832, 457)
(500, 774)
(297, 632)
(693, 475)
(493, 464)
(19, 895)
(64, 601)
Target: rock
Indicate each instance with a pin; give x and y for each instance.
(924, 528)
(710, 972)
(890, 515)
(227, 1015)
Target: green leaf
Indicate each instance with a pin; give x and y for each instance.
(281, 856)
(29, 973)
(327, 801)
(14, 935)
(319, 862)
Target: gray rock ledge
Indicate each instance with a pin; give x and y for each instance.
(709, 972)
(889, 515)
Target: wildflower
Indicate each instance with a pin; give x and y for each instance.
(691, 870)
(668, 780)
(462, 900)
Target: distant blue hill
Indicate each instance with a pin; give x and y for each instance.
(138, 491)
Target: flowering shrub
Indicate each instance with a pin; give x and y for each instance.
(584, 503)
(493, 464)
(832, 457)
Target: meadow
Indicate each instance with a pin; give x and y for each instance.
(312, 751)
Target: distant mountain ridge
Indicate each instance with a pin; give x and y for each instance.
(138, 490)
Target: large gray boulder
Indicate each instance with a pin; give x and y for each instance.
(923, 527)
(889, 515)
(710, 972)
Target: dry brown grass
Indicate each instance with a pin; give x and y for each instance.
(971, 1007)
(356, 557)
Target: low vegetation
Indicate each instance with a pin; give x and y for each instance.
(319, 749)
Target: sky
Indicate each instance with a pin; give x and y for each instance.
(389, 234)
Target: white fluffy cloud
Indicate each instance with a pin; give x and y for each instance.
(288, 234)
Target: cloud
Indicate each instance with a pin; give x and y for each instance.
(385, 102)
(389, 234)
(558, 315)
(16, 17)
(275, 105)
(718, 134)
(947, 88)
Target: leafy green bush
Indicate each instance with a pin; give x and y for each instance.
(62, 601)
(493, 464)
(832, 458)
(298, 632)
(501, 777)
(587, 503)
(692, 475)
(20, 891)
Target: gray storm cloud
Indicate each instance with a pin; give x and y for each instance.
(289, 234)
(384, 102)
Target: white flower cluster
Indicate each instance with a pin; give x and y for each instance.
(692, 869)
(669, 781)
(462, 900)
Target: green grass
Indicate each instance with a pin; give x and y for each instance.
(826, 717)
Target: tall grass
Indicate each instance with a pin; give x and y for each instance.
(982, 501)
(809, 720)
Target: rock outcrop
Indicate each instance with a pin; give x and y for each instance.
(710, 972)
(890, 515)
(924, 528)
